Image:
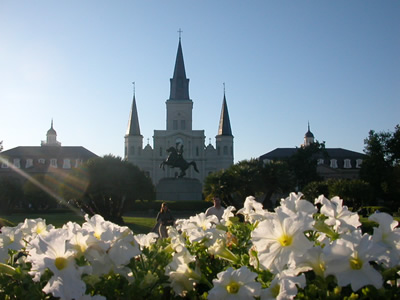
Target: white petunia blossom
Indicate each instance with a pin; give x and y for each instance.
(280, 241)
(228, 213)
(284, 286)
(10, 238)
(348, 259)
(33, 227)
(51, 252)
(235, 284)
(146, 240)
(252, 210)
(387, 235)
(313, 259)
(181, 276)
(293, 204)
(339, 216)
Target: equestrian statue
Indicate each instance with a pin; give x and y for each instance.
(175, 160)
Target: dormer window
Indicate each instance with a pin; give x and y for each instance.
(78, 162)
(347, 163)
(53, 162)
(320, 161)
(41, 161)
(17, 163)
(29, 163)
(334, 164)
(4, 164)
(67, 163)
(358, 163)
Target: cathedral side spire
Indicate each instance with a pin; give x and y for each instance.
(133, 123)
(224, 122)
(179, 82)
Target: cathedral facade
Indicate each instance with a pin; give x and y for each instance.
(180, 135)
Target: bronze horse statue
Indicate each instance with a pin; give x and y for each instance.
(176, 160)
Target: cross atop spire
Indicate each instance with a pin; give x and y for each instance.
(133, 84)
(180, 33)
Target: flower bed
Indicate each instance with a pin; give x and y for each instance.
(302, 250)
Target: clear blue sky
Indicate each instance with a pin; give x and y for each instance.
(335, 64)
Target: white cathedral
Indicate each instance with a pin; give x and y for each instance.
(179, 132)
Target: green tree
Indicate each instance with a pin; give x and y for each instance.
(40, 192)
(303, 163)
(381, 167)
(355, 193)
(106, 185)
(11, 194)
(249, 178)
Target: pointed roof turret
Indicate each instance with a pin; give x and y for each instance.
(133, 123)
(51, 137)
(224, 123)
(179, 82)
(309, 134)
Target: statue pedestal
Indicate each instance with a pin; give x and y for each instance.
(179, 189)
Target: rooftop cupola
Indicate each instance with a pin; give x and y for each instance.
(51, 137)
(308, 137)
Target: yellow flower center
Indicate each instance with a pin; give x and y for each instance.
(356, 263)
(39, 229)
(60, 263)
(97, 235)
(285, 240)
(233, 287)
(275, 290)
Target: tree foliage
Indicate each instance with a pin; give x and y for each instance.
(40, 192)
(381, 167)
(303, 163)
(249, 178)
(106, 185)
(11, 194)
(355, 193)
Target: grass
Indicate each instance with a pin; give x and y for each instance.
(137, 224)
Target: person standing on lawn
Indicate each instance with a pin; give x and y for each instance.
(164, 219)
(217, 209)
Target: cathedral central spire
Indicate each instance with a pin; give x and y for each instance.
(179, 82)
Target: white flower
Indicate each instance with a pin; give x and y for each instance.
(220, 250)
(228, 213)
(33, 227)
(181, 276)
(10, 238)
(51, 252)
(200, 228)
(388, 235)
(280, 241)
(123, 248)
(338, 214)
(284, 286)
(146, 240)
(313, 259)
(295, 204)
(235, 284)
(348, 259)
(252, 210)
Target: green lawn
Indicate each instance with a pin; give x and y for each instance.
(137, 224)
